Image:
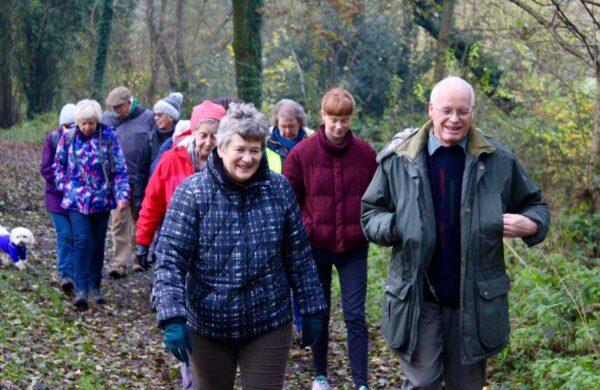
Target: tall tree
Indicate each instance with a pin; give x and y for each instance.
(482, 65)
(575, 28)
(157, 37)
(443, 36)
(247, 45)
(6, 106)
(102, 44)
(43, 41)
(179, 53)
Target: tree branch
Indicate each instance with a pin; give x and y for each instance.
(551, 29)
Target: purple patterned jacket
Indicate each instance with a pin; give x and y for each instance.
(79, 175)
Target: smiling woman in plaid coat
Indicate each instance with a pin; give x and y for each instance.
(232, 246)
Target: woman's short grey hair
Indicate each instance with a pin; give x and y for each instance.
(452, 82)
(246, 121)
(287, 108)
(86, 110)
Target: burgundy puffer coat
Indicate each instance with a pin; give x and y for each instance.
(329, 180)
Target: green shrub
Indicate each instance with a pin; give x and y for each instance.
(32, 131)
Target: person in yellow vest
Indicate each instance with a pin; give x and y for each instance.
(289, 128)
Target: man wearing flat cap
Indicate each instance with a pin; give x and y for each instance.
(133, 123)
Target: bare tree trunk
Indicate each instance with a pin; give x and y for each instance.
(247, 45)
(179, 57)
(102, 45)
(156, 35)
(154, 64)
(595, 149)
(6, 106)
(443, 39)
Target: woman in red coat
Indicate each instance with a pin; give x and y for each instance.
(174, 167)
(329, 173)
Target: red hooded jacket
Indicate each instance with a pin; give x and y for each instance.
(174, 167)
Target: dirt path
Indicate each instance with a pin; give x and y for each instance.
(117, 345)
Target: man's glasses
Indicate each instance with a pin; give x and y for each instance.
(460, 112)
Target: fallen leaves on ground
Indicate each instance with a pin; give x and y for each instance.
(46, 344)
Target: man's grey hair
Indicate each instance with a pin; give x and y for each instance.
(87, 109)
(287, 108)
(454, 82)
(246, 121)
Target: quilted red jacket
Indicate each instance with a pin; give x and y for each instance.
(174, 167)
(329, 180)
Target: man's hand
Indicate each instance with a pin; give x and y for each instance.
(517, 225)
(141, 252)
(122, 205)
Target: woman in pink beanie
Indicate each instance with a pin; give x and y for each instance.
(174, 167)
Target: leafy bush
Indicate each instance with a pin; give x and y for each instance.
(32, 131)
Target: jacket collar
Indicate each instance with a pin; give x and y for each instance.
(217, 170)
(415, 143)
(332, 147)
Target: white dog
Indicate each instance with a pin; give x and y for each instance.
(13, 246)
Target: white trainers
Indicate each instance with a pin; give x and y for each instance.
(320, 383)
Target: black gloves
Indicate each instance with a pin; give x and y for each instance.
(141, 252)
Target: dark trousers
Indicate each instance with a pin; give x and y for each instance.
(262, 361)
(89, 235)
(437, 355)
(352, 270)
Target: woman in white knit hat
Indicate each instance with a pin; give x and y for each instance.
(166, 116)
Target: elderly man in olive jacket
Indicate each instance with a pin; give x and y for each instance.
(444, 196)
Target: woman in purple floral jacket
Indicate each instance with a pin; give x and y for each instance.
(92, 176)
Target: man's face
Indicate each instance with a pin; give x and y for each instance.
(289, 127)
(451, 114)
(122, 110)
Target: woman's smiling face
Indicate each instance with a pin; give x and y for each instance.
(241, 158)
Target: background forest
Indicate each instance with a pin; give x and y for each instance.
(535, 65)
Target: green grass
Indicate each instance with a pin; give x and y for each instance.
(32, 131)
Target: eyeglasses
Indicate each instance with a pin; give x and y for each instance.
(159, 114)
(460, 112)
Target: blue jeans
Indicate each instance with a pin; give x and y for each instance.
(89, 234)
(64, 244)
(352, 270)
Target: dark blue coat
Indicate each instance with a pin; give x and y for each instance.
(228, 256)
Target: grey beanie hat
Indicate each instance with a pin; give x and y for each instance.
(67, 114)
(170, 105)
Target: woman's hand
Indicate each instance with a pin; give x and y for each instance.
(122, 205)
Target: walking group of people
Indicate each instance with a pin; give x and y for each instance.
(248, 221)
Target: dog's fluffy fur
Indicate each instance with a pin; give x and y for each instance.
(14, 244)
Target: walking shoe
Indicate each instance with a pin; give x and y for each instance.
(80, 300)
(136, 267)
(320, 383)
(97, 296)
(66, 284)
(363, 387)
(117, 272)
